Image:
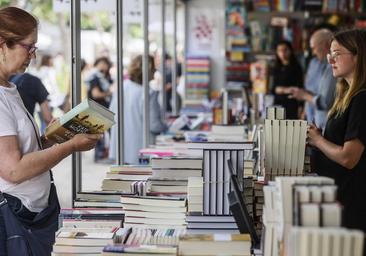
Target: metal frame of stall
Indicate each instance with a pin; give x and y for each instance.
(76, 77)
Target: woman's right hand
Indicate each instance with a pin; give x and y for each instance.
(314, 134)
(85, 142)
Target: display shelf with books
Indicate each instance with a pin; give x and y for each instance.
(198, 80)
(237, 44)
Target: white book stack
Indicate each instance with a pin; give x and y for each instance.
(227, 133)
(216, 175)
(284, 143)
(167, 171)
(154, 212)
(86, 241)
(306, 204)
(315, 206)
(209, 224)
(307, 241)
(284, 198)
(195, 194)
(154, 236)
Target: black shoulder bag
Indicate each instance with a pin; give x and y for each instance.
(27, 237)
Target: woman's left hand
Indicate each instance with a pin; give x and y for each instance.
(313, 135)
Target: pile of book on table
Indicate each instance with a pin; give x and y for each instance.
(170, 175)
(114, 241)
(215, 244)
(154, 212)
(87, 230)
(127, 179)
(145, 241)
(302, 213)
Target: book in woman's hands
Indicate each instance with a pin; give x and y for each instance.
(87, 117)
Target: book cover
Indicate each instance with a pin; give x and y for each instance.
(87, 117)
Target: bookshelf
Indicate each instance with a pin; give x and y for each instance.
(198, 79)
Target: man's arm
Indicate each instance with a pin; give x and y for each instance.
(46, 112)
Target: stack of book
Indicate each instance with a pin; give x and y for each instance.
(75, 241)
(208, 244)
(154, 236)
(249, 168)
(298, 201)
(258, 204)
(170, 175)
(284, 145)
(138, 250)
(166, 187)
(97, 199)
(154, 212)
(216, 174)
(126, 179)
(248, 194)
(227, 133)
(91, 217)
(209, 224)
(198, 79)
(326, 241)
(195, 194)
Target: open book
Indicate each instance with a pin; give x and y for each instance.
(87, 117)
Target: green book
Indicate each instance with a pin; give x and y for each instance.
(87, 117)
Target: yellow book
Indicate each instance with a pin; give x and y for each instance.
(87, 117)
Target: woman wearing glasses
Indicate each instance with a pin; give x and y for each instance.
(341, 152)
(25, 180)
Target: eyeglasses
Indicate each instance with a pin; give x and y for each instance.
(333, 57)
(29, 47)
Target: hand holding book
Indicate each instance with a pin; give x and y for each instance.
(88, 117)
(313, 135)
(84, 142)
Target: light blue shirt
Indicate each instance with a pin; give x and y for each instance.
(133, 120)
(324, 99)
(312, 81)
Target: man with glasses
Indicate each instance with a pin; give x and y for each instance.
(320, 78)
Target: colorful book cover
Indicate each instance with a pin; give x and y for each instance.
(87, 117)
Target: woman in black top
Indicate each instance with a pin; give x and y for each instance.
(286, 73)
(341, 152)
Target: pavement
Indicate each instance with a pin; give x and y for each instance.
(92, 176)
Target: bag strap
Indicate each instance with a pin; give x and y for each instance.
(38, 139)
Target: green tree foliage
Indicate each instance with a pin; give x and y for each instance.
(4, 3)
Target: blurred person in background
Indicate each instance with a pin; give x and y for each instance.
(47, 73)
(286, 73)
(133, 104)
(323, 99)
(99, 88)
(33, 92)
(168, 78)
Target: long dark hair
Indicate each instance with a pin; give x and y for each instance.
(292, 59)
